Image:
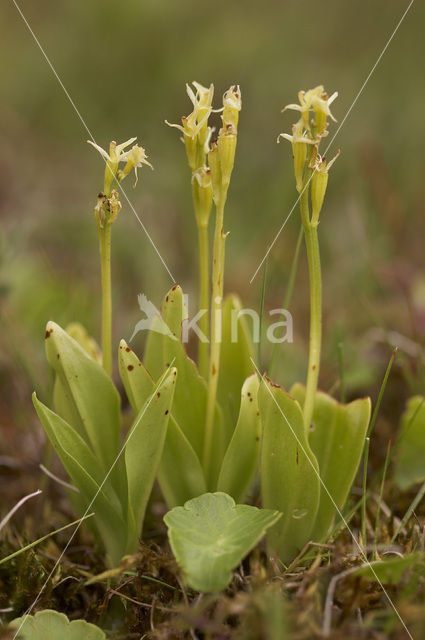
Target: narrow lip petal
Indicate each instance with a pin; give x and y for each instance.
(176, 126)
(123, 145)
(286, 136)
(333, 97)
(333, 159)
(201, 89)
(102, 152)
(192, 96)
(294, 107)
(200, 124)
(144, 161)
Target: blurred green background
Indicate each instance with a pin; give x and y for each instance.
(125, 66)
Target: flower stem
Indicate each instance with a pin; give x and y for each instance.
(203, 297)
(216, 319)
(313, 257)
(105, 263)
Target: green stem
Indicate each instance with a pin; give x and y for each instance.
(105, 263)
(289, 292)
(216, 318)
(313, 257)
(203, 298)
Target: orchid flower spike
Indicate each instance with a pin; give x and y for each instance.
(195, 129)
(316, 100)
(202, 107)
(319, 184)
(113, 158)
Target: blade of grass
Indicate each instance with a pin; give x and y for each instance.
(381, 493)
(409, 424)
(17, 506)
(367, 440)
(381, 392)
(342, 525)
(394, 450)
(49, 535)
(342, 394)
(409, 512)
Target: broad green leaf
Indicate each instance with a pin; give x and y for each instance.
(289, 472)
(189, 407)
(337, 439)
(410, 460)
(75, 455)
(180, 473)
(144, 444)
(210, 536)
(390, 571)
(235, 362)
(241, 460)
(178, 454)
(66, 441)
(61, 401)
(93, 399)
(52, 625)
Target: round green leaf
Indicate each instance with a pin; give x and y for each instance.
(210, 536)
(51, 625)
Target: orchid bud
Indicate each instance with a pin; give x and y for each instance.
(227, 148)
(319, 184)
(202, 195)
(232, 104)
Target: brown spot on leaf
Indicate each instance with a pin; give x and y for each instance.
(213, 370)
(158, 395)
(166, 413)
(130, 367)
(58, 355)
(128, 349)
(48, 333)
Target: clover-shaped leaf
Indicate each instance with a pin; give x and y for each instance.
(210, 535)
(52, 625)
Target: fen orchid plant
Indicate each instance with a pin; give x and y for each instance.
(215, 425)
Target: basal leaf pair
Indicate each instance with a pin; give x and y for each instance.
(307, 473)
(113, 479)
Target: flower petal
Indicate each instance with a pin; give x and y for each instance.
(101, 151)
